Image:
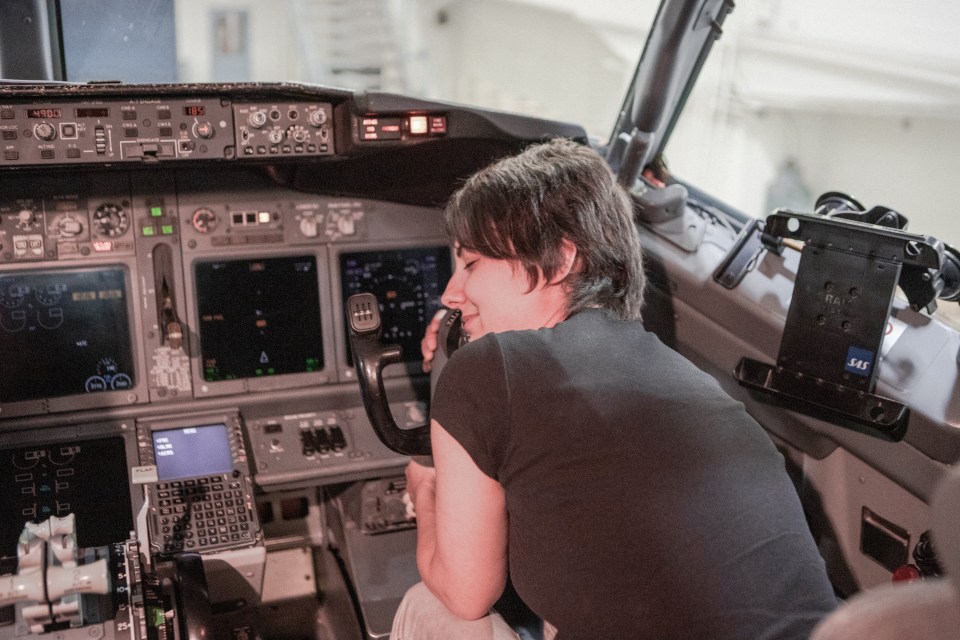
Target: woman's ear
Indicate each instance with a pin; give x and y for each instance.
(570, 264)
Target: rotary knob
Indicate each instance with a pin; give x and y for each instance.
(69, 227)
(317, 118)
(45, 131)
(26, 219)
(309, 226)
(257, 118)
(298, 134)
(204, 130)
(111, 220)
(204, 220)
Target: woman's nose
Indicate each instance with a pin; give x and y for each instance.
(453, 294)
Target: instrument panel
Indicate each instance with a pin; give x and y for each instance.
(174, 360)
(188, 292)
(137, 130)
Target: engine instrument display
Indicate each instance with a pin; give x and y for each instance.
(408, 284)
(68, 332)
(259, 317)
(86, 478)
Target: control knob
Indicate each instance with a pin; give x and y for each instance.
(257, 118)
(204, 220)
(309, 226)
(317, 118)
(26, 219)
(111, 220)
(204, 130)
(298, 134)
(69, 227)
(45, 131)
(346, 225)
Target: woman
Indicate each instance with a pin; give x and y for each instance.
(625, 493)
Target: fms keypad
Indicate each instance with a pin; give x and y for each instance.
(202, 498)
(200, 514)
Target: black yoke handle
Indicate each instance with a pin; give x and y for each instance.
(370, 356)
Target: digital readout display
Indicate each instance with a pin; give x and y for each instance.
(194, 110)
(45, 113)
(93, 112)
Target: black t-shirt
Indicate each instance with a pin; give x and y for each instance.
(643, 501)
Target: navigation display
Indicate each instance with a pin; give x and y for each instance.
(192, 451)
(68, 333)
(259, 317)
(408, 284)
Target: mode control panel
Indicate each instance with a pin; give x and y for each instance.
(284, 129)
(115, 130)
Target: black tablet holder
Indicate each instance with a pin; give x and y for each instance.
(844, 289)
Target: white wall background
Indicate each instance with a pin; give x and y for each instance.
(861, 96)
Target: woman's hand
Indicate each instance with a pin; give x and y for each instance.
(421, 487)
(428, 346)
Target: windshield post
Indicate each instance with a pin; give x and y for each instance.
(679, 40)
(29, 40)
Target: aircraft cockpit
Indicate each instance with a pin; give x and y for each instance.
(176, 309)
(186, 446)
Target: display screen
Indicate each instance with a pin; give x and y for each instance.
(64, 333)
(259, 317)
(194, 110)
(192, 451)
(93, 112)
(44, 113)
(86, 478)
(408, 284)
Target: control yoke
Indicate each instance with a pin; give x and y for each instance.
(370, 356)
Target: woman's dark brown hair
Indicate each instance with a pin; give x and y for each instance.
(521, 208)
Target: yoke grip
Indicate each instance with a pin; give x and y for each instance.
(370, 357)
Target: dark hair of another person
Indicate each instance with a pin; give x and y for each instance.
(522, 207)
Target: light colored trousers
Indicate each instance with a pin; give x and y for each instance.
(422, 616)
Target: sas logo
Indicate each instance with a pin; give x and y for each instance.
(859, 361)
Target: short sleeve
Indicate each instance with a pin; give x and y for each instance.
(471, 402)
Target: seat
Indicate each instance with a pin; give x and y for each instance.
(921, 610)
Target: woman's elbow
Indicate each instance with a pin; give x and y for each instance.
(469, 606)
(469, 600)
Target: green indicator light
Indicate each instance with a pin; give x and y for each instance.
(156, 212)
(148, 231)
(156, 617)
(271, 371)
(259, 372)
(166, 229)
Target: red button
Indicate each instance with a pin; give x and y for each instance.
(907, 573)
